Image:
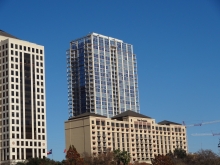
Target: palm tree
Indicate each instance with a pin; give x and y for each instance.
(125, 157)
(122, 156)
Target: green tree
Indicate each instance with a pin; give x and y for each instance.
(125, 157)
(20, 163)
(121, 156)
(117, 156)
(179, 153)
(39, 161)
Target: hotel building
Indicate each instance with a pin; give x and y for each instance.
(102, 76)
(129, 131)
(22, 98)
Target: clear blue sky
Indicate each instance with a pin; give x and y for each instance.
(177, 44)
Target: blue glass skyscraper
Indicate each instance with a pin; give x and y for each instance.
(102, 76)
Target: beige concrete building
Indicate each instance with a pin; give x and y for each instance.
(138, 134)
(22, 100)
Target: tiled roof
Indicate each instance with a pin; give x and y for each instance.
(165, 122)
(130, 113)
(3, 33)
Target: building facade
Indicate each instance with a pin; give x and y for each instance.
(22, 97)
(138, 134)
(102, 76)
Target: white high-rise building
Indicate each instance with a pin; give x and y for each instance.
(22, 97)
(102, 76)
